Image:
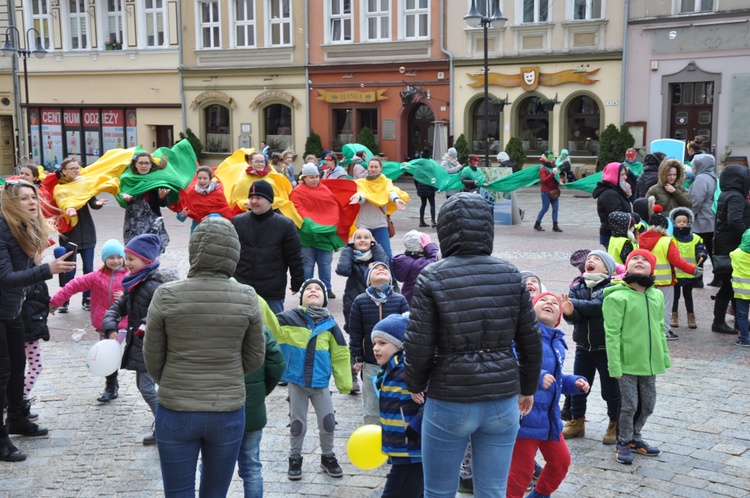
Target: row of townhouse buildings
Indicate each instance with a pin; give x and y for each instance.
(119, 73)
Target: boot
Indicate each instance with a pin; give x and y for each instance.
(575, 427)
(610, 437)
(434, 224)
(25, 427)
(538, 226)
(422, 223)
(295, 468)
(720, 325)
(8, 452)
(675, 322)
(565, 410)
(691, 321)
(556, 227)
(27, 410)
(111, 391)
(330, 465)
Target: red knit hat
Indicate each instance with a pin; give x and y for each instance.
(646, 254)
(538, 296)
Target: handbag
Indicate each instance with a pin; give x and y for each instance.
(722, 264)
(554, 193)
(391, 228)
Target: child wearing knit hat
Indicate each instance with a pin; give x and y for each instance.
(400, 412)
(542, 427)
(105, 285)
(419, 251)
(582, 308)
(636, 350)
(693, 251)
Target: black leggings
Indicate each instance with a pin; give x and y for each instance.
(424, 205)
(687, 291)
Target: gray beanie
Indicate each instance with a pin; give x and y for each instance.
(608, 260)
(411, 241)
(309, 169)
(452, 152)
(526, 274)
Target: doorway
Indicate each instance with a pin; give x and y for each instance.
(691, 111)
(420, 126)
(164, 136)
(7, 158)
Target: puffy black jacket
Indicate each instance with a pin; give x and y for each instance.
(269, 245)
(17, 272)
(733, 209)
(609, 199)
(650, 175)
(467, 311)
(355, 272)
(134, 305)
(424, 190)
(587, 318)
(365, 314)
(35, 313)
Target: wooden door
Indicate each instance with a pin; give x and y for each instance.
(421, 129)
(7, 159)
(691, 110)
(164, 136)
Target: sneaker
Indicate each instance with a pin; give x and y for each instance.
(330, 465)
(63, 308)
(622, 453)
(742, 342)
(24, 427)
(671, 336)
(537, 471)
(295, 468)
(643, 448)
(86, 304)
(466, 485)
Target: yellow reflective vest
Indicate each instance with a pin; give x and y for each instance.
(740, 273)
(616, 244)
(663, 273)
(687, 252)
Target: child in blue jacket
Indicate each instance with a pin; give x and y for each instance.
(542, 427)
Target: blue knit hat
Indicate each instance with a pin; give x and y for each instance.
(112, 247)
(146, 246)
(608, 260)
(391, 328)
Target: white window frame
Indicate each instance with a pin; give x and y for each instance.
(696, 7)
(244, 24)
(81, 20)
(117, 15)
(41, 21)
(414, 13)
(210, 25)
(381, 17)
(279, 21)
(537, 10)
(153, 13)
(589, 10)
(342, 19)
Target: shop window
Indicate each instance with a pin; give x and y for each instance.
(216, 124)
(40, 18)
(584, 123)
(340, 21)
(416, 19)
(533, 126)
(277, 120)
(478, 132)
(281, 22)
(244, 23)
(378, 19)
(533, 11)
(155, 20)
(585, 10)
(691, 6)
(210, 24)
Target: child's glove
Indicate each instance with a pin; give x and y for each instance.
(413, 436)
(141, 330)
(698, 272)
(424, 240)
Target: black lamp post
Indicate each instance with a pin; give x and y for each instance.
(9, 50)
(475, 19)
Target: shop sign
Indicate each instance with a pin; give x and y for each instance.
(530, 77)
(352, 96)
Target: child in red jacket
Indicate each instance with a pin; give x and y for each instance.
(105, 285)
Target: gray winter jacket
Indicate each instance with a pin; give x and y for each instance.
(702, 193)
(204, 333)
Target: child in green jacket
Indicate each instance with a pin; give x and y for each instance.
(636, 349)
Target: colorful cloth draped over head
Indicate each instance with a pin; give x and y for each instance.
(429, 172)
(180, 170)
(97, 178)
(349, 150)
(232, 172)
(201, 205)
(326, 217)
(377, 192)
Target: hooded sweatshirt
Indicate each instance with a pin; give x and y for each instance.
(702, 193)
(650, 175)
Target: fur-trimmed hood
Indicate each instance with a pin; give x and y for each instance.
(664, 170)
(682, 211)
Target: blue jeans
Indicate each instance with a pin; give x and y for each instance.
(384, 239)
(446, 429)
(545, 206)
(249, 466)
(587, 363)
(276, 305)
(742, 307)
(312, 256)
(181, 436)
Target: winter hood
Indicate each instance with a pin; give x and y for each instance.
(619, 223)
(611, 173)
(682, 211)
(664, 171)
(704, 163)
(214, 248)
(465, 225)
(735, 177)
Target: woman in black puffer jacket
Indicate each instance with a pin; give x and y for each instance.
(732, 219)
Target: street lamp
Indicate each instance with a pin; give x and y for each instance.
(475, 19)
(10, 50)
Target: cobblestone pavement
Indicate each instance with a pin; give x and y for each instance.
(700, 423)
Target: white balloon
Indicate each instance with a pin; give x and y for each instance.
(104, 357)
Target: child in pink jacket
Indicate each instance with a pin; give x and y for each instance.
(105, 285)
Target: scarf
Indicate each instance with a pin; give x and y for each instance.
(625, 187)
(263, 172)
(683, 234)
(372, 177)
(211, 187)
(362, 256)
(379, 295)
(641, 280)
(317, 313)
(594, 279)
(133, 279)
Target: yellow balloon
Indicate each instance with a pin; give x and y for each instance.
(364, 447)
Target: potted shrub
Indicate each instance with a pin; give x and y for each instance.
(514, 149)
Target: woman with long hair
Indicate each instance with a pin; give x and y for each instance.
(143, 214)
(24, 235)
(203, 197)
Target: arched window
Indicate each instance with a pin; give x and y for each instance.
(477, 130)
(533, 126)
(277, 121)
(216, 124)
(583, 126)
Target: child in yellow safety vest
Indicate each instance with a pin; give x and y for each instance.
(622, 242)
(741, 285)
(694, 252)
(657, 240)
